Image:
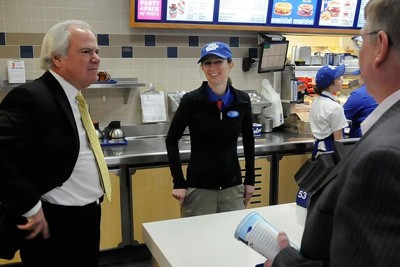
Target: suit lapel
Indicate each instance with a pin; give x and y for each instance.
(56, 88)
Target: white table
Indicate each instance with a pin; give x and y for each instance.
(208, 240)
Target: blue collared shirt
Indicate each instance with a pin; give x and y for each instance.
(226, 98)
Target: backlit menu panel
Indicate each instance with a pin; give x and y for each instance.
(337, 13)
(149, 10)
(190, 10)
(293, 12)
(361, 20)
(239, 11)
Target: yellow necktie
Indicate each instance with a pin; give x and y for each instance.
(94, 142)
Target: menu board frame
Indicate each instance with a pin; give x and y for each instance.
(165, 21)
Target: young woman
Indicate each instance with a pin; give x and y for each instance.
(216, 114)
(327, 119)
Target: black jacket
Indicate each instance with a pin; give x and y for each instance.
(39, 146)
(214, 162)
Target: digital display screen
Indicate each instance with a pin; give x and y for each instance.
(272, 56)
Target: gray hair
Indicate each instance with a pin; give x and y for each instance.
(384, 15)
(56, 41)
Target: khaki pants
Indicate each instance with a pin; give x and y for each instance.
(200, 201)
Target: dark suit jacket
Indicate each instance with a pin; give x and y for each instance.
(355, 219)
(39, 146)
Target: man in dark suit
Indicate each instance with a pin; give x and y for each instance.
(50, 186)
(354, 220)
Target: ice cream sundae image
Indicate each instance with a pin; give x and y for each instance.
(173, 11)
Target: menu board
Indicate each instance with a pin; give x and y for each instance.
(239, 11)
(190, 10)
(293, 12)
(337, 13)
(361, 20)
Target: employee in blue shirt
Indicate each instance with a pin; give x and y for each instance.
(358, 106)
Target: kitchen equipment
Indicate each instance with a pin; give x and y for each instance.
(258, 102)
(99, 132)
(301, 53)
(317, 60)
(114, 133)
(267, 123)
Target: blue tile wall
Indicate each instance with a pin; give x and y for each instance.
(253, 52)
(26, 51)
(172, 52)
(127, 52)
(103, 39)
(150, 40)
(234, 41)
(2, 38)
(194, 41)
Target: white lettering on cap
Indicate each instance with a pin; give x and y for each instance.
(211, 47)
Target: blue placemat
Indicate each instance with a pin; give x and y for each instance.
(107, 143)
(107, 82)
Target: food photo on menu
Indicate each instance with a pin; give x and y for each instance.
(293, 12)
(337, 13)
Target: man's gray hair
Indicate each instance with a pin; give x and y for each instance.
(56, 41)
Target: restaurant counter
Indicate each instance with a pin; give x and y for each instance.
(147, 150)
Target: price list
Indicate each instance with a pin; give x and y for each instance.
(239, 11)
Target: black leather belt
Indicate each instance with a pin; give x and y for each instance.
(97, 202)
(94, 203)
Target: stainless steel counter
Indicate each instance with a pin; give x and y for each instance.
(146, 149)
(151, 150)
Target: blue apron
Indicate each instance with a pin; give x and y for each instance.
(328, 140)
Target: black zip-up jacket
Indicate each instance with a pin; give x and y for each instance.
(214, 162)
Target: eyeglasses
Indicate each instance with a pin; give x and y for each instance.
(358, 40)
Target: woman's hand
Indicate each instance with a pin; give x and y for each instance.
(283, 242)
(248, 193)
(179, 194)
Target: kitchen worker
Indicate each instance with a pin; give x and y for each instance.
(327, 119)
(213, 180)
(50, 184)
(358, 106)
(354, 219)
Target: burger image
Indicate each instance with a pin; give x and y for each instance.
(283, 8)
(305, 10)
(325, 16)
(333, 8)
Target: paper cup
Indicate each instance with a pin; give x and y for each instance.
(257, 129)
(258, 234)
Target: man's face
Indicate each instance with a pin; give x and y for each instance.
(366, 54)
(80, 66)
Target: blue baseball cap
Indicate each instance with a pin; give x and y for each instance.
(356, 72)
(219, 49)
(327, 74)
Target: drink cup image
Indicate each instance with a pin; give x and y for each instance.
(257, 129)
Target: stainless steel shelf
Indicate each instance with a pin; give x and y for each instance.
(126, 84)
(311, 71)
